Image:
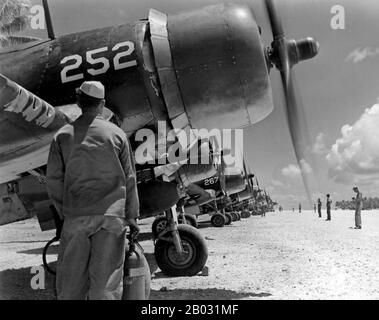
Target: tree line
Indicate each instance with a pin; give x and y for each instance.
(369, 203)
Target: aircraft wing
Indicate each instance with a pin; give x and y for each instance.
(27, 127)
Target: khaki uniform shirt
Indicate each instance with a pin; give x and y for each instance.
(91, 170)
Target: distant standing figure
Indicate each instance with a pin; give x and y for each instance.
(299, 207)
(314, 207)
(319, 205)
(328, 207)
(293, 209)
(358, 208)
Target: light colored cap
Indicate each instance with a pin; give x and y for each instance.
(94, 89)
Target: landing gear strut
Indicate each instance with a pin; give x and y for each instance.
(220, 218)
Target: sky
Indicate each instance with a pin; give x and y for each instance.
(339, 89)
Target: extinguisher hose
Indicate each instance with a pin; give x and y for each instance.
(44, 254)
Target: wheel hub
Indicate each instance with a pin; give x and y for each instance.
(218, 220)
(184, 258)
(162, 225)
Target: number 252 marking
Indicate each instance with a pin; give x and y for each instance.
(103, 62)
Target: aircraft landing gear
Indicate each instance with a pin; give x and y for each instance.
(180, 250)
(189, 219)
(160, 223)
(218, 220)
(228, 219)
(234, 216)
(245, 214)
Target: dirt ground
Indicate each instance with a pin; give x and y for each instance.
(282, 256)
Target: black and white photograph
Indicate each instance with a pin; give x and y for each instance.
(192, 150)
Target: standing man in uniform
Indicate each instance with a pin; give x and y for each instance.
(299, 207)
(319, 205)
(358, 208)
(91, 180)
(328, 207)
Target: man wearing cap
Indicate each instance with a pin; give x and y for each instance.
(358, 208)
(91, 180)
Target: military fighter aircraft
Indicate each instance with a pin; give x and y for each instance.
(205, 68)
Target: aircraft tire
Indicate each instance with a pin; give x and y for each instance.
(228, 219)
(238, 216)
(234, 216)
(159, 224)
(245, 214)
(191, 263)
(218, 220)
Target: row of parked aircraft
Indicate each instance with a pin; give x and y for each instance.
(205, 68)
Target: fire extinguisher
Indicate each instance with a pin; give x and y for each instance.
(137, 276)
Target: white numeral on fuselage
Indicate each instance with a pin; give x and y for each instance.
(78, 61)
(102, 62)
(210, 181)
(116, 60)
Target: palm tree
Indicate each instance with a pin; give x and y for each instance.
(14, 17)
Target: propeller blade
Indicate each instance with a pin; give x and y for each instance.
(284, 54)
(297, 125)
(275, 21)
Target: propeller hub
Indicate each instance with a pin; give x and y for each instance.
(303, 49)
(291, 51)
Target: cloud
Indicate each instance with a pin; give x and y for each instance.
(354, 157)
(319, 145)
(293, 171)
(360, 54)
(277, 183)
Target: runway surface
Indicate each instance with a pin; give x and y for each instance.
(282, 256)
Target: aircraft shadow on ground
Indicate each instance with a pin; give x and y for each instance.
(199, 294)
(32, 241)
(144, 236)
(208, 224)
(204, 224)
(15, 284)
(53, 250)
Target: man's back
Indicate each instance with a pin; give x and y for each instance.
(94, 154)
(359, 200)
(91, 180)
